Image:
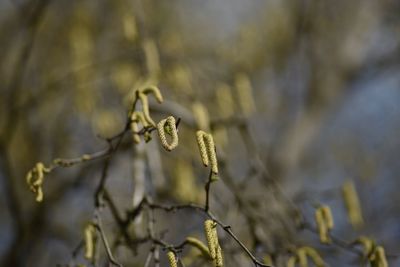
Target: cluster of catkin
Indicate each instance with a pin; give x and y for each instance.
(375, 254)
(324, 221)
(207, 149)
(301, 258)
(35, 178)
(143, 116)
(214, 248)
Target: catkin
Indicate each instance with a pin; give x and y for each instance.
(328, 218)
(199, 245)
(219, 260)
(142, 95)
(302, 256)
(152, 57)
(172, 259)
(209, 227)
(322, 228)
(314, 255)
(146, 110)
(153, 90)
(268, 259)
(137, 117)
(129, 26)
(245, 95)
(225, 101)
(352, 204)
(381, 257)
(171, 130)
(90, 241)
(201, 116)
(292, 261)
(35, 178)
(207, 150)
(367, 243)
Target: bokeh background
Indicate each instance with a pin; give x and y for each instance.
(323, 107)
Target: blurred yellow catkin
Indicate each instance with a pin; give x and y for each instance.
(352, 204)
(245, 94)
(90, 241)
(35, 178)
(200, 114)
(129, 26)
(152, 58)
(184, 183)
(225, 102)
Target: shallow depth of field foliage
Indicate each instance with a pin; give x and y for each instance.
(199, 133)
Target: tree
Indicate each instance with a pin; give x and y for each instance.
(147, 132)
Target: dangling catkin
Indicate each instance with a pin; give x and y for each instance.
(328, 218)
(219, 260)
(292, 261)
(90, 241)
(322, 228)
(199, 245)
(245, 95)
(152, 57)
(209, 227)
(35, 178)
(200, 114)
(171, 124)
(137, 117)
(352, 204)
(172, 259)
(381, 257)
(314, 255)
(302, 256)
(207, 150)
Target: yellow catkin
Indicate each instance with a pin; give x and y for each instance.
(185, 188)
(152, 57)
(172, 131)
(225, 101)
(142, 94)
(314, 255)
(292, 261)
(380, 257)
(367, 243)
(245, 94)
(35, 178)
(219, 260)
(352, 203)
(302, 256)
(201, 116)
(268, 259)
(209, 228)
(199, 245)
(137, 117)
(129, 26)
(90, 241)
(172, 259)
(207, 150)
(151, 89)
(327, 214)
(322, 228)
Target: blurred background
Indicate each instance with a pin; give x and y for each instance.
(308, 90)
